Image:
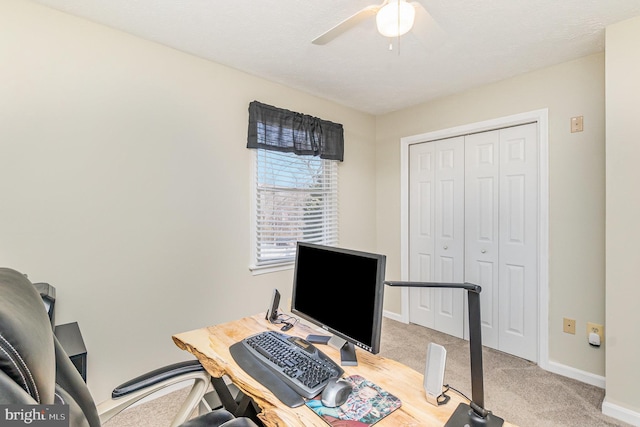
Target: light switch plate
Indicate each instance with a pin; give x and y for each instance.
(576, 124)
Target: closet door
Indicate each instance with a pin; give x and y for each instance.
(449, 241)
(473, 217)
(519, 241)
(482, 151)
(422, 231)
(501, 208)
(436, 227)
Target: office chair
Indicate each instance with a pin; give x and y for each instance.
(34, 369)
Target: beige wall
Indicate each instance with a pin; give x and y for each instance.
(125, 183)
(623, 211)
(576, 194)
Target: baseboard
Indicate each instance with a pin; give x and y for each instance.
(576, 374)
(618, 412)
(394, 316)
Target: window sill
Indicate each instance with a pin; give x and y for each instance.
(271, 268)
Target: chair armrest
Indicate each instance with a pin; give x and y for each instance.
(132, 391)
(156, 376)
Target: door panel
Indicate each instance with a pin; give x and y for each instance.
(421, 231)
(422, 305)
(518, 241)
(514, 303)
(436, 224)
(481, 226)
(449, 241)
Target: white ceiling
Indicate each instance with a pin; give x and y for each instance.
(466, 43)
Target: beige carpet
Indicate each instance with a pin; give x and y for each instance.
(515, 389)
(157, 413)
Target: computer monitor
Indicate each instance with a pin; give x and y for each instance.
(340, 290)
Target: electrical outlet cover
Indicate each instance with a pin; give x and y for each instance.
(595, 328)
(569, 325)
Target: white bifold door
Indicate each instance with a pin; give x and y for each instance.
(436, 233)
(473, 217)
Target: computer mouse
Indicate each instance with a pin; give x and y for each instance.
(336, 392)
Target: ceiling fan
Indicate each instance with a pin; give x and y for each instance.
(393, 19)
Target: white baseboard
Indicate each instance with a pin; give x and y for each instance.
(618, 412)
(576, 374)
(394, 316)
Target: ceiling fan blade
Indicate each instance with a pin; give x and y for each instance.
(426, 29)
(347, 24)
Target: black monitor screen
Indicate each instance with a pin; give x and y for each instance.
(340, 290)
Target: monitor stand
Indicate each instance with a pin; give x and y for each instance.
(347, 350)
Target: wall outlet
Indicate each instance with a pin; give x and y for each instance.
(594, 328)
(569, 326)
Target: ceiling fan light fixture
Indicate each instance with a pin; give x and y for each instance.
(395, 18)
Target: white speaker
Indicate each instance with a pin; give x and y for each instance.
(434, 372)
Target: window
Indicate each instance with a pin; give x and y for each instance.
(296, 198)
(295, 183)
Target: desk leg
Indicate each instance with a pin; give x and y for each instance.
(228, 401)
(240, 406)
(245, 407)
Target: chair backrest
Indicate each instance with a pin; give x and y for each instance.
(33, 366)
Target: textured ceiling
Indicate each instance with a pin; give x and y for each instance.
(457, 45)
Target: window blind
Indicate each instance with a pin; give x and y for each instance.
(296, 199)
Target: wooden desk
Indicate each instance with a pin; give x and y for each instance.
(211, 346)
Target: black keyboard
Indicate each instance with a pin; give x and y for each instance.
(294, 360)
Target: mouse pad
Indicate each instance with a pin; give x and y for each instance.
(367, 404)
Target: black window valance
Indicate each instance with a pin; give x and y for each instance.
(277, 129)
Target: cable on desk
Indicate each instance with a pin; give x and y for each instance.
(475, 407)
(288, 321)
(448, 387)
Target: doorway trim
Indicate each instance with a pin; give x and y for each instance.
(541, 117)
